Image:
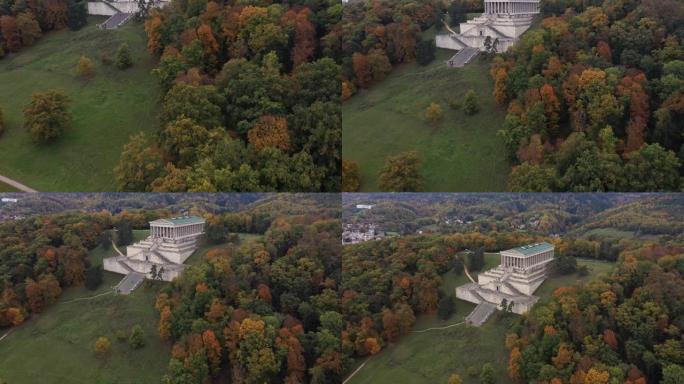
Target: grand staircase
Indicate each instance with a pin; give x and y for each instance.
(463, 57)
(480, 314)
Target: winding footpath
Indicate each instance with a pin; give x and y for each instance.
(16, 184)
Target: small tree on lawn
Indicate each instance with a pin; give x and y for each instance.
(103, 347)
(137, 338)
(487, 374)
(93, 277)
(433, 113)
(123, 57)
(47, 117)
(85, 67)
(470, 105)
(401, 173)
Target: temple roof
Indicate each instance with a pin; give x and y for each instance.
(531, 249)
(180, 220)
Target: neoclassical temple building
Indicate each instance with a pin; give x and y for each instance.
(521, 272)
(503, 21)
(163, 252)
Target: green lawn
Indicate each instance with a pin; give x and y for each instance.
(56, 346)
(107, 109)
(430, 357)
(7, 188)
(463, 153)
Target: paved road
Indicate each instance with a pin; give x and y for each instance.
(16, 184)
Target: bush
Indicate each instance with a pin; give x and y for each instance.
(103, 347)
(123, 57)
(446, 307)
(433, 113)
(487, 374)
(137, 338)
(470, 105)
(473, 371)
(121, 335)
(85, 67)
(454, 103)
(47, 117)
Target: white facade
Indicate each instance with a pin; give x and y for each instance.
(170, 243)
(503, 21)
(110, 8)
(521, 272)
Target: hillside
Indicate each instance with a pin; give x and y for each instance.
(106, 109)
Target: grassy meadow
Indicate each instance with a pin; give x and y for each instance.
(431, 356)
(107, 109)
(462, 153)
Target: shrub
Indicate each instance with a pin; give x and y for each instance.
(470, 105)
(103, 347)
(106, 59)
(123, 57)
(433, 113)
(137, 338)
(85, 67)
(121, 335)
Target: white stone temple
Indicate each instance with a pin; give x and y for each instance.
(521, 272)
(503, 21)
(170, 243)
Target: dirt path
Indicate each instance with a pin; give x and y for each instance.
(16, 184)
(355, 372)
(438, 328)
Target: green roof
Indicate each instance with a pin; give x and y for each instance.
(183, 220)
(533, 249)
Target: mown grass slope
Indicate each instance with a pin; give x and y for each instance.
(107, 109)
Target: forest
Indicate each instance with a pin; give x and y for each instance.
(622, 329)
(250, 99)
(594, 96)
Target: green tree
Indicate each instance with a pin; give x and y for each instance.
(487, 374)
(139, 166)
(77, 14)
(401, 173)
(137, 338)
(199, 103)
(673, 374)
(531, 178)
(123, 57)
(470, 104)
(48, 116)
(182, 139)
(124, 233)
(653, 169)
